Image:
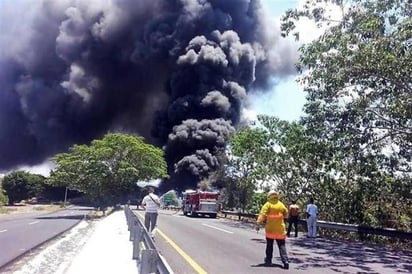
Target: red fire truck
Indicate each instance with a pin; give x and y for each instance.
(197, 202)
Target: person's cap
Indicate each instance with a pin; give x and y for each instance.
(272, 192)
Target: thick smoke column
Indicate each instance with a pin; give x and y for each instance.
(174, 71)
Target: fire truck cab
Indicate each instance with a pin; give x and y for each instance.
(197, 202)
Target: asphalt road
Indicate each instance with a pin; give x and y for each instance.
(20, 234)
(203, 245)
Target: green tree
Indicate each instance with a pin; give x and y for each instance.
(4, 200)
(245, 165)
(357, 77)
(21, 185)
(287, 157)
(221, 178)
(271, 154)
(109, 168)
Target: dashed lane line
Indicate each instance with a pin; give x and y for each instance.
(217, 228)
(35, 222)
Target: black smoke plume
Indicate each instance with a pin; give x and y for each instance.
(174, 71)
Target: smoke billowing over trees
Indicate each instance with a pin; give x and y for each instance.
(174, 71)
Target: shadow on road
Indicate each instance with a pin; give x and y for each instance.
(71, 217)
(265, 265)
(308, 254)
(260, 240)
(237, 224)
(346, 257)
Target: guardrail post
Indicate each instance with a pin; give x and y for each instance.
(127, 212)
(138, 237)
(132, 231)
(133, 226)
(129, 223)
(130, 219)
(148, 264)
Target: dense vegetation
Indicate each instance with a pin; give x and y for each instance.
(22, 185)
(107, 171)
(352, 148)
(3, 197)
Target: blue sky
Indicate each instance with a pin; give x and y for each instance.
(286, 99)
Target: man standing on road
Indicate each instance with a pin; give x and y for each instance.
(273, 212)
(312, 217)
(293, 218)
(151, 203)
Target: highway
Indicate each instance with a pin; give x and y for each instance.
(20, 234)
(203, 245)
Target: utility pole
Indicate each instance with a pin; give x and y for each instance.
(65, 197)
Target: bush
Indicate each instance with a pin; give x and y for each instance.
(259, 199)
(3, 197)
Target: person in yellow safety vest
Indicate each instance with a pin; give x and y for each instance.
(273, 213)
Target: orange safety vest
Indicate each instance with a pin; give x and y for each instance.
(274, 212)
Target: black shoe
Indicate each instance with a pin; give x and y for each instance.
(286, 266)
(268, 261)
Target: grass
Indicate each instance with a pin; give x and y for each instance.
(22, 208)
(47, 207)
(5, 210)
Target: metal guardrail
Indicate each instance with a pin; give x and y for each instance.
(149, 260)
(360, 229)
(147, 257)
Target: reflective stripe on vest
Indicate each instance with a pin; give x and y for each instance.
(275, 216)
(275, 236)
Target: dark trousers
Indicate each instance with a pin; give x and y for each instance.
(282, 250)
(150, 221)
(293, 220)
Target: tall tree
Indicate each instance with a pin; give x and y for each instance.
(245, 164)
(21, 185)
(270, 154)
(3, 197)
(287, 156)
(358, 80)
(109, 168)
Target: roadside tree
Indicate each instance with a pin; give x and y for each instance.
(357, 77)
(4, 200)
(21, 185)
(109, 168)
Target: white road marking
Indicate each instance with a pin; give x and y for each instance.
(4, 230)
(35, 222)
(223, 230)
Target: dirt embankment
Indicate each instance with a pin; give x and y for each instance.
(27, 208)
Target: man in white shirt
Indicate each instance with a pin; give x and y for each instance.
(312, 217)
(150, 203)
